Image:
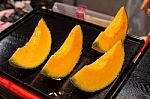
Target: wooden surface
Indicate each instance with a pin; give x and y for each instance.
(138, 85)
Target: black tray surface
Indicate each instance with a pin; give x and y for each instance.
(60, 25)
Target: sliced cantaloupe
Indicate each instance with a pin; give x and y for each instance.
(117, 30)
(35, 50)
(64, 60)
(102, 72)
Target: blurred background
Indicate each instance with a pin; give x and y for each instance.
(139, 22)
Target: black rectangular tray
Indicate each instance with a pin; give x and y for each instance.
(60, 25)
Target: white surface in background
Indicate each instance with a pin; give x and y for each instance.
(90, 16)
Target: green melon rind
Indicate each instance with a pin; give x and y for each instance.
(97, 47)
(44, 72)
(73, 80)
(14, 63)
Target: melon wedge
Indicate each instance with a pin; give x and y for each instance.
(35, 50)
(117, 30)
(102, 72)
(64, 60)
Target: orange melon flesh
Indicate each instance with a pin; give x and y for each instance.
(117, 30)
(64, 60)
(35, 50)
(102, 72)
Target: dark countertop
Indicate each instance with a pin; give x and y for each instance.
(138, 84)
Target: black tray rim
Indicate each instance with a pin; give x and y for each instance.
(133, 64)
(24, 85)
(38, 10)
